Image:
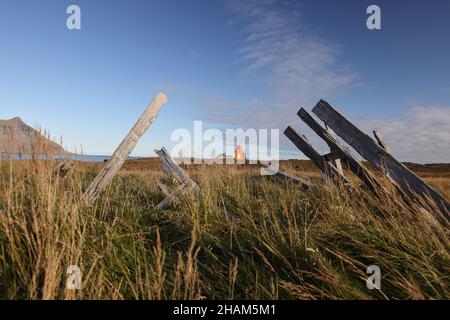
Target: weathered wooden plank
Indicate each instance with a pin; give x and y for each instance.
(172, 198)
(410, 183)
(174, 168)
(282, 174)
(331, 156)
(182, 177)
(337, 161)
(381, 142)
(342, 151)
(163, 187)
(186, 182)
(62, 168)
(329, 171)
(122, 152)
(170, 166)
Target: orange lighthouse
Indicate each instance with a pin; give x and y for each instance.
(239, 153)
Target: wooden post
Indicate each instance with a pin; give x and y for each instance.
(328, 170)
(62, 168)
(171, 167)
(172, 198)
(337, 161)
(381, 141)
(305, 184)
(122, 152)
(341, 151)
(174, 168)
(163, 187)
(182, 177)
(410, 183)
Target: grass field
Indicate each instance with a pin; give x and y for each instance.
(244, 237)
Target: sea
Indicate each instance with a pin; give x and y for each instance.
(76, 157)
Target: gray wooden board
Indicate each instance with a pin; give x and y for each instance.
(410, 183)
(342, 151)
(110, 169)
(301, 143)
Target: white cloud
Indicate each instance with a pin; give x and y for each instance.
(296, 68)
(421, 135)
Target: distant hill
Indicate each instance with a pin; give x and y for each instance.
(17, 137)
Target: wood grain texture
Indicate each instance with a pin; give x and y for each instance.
(172, 198)
(411, 184)
(380, 141)
(122, 152)
(337, 162)
(170, 166)
(183, 178)
(342, 152)
(308, 150)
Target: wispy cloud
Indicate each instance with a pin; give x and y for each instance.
(296, 68)
(421, 134)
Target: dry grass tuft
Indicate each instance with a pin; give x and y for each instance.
(287, 244)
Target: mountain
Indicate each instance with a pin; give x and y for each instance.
(17, 137)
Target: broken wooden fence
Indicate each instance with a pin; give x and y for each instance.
(306, 185)
(376, 154)
(122, 152)
(62, 168)
(170, 167)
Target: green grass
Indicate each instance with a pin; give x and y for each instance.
(285, 243)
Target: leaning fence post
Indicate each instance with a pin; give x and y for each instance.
(413, 186)
(122, 152)
(380, 141)
(183, 178)
(339, 151)
(329, 171)
(306, 185)
(337, 161)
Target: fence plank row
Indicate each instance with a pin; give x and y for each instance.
(410, 183)
(328, 170)
(342, 151)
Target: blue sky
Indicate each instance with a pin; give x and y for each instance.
(228, 63)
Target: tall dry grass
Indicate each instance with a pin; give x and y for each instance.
(244, 237)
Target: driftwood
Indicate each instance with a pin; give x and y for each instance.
(306, 185)
(414, 187)
(183, 178)
(122, 152)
